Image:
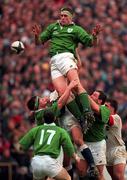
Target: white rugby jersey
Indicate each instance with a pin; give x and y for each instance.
(114, 134)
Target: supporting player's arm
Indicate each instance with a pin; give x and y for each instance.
(95, 107)
(68, 147)
(63, 99)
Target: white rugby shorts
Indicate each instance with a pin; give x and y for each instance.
(68, 122)
(98, 150)
(62, 63)
(60, 158)
(114, 155)
(43, 166)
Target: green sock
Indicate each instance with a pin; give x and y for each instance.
(84, 101)
(74, 109)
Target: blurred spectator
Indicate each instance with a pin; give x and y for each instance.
(7, 158)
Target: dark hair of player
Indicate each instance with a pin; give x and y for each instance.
(67, 9)
(48, 116)
(113, 103)
(102, 96)
(33, 103)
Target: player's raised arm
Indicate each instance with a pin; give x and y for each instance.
(36, 29)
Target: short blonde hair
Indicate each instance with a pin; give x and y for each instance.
(68, 11)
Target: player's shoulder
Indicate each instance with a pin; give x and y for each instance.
(58, 127)
(77, 26)
(63, 131)
(104, 107)
(116, 117)
(105, 110)
(52, 25)
(38, 126)
(34, 129)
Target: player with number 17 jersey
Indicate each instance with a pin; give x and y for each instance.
(48, 140)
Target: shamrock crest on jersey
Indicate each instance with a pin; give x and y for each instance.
(69, 30)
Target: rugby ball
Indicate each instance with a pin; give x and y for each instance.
(18, 47)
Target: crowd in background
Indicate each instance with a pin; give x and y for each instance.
(22, 76)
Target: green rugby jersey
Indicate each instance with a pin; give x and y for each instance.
(97, 131)
(65, 38)
(39, 113)
(47, 140)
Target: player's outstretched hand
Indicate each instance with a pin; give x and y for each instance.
(96, 30)
(36, 29)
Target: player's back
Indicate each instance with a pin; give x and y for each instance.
(47, 140)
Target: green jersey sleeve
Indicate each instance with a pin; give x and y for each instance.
(84, 37)
(105, 113)
(67, 143)
(46, 34)
(27, 140)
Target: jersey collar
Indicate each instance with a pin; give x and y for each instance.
(51, 124)
(72, 23)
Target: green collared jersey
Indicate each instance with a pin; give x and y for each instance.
(97, 131)
(65, 38)
(39, 113)
(47, 139)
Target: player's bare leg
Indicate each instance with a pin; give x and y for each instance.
(77, 137)
(83, 97)
(63, 175)
(101, 170)
(50, 178)
(117, 171)
(88, 162)
(60, 85)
